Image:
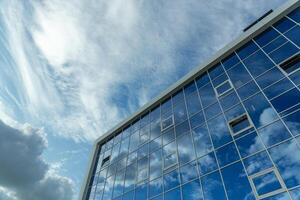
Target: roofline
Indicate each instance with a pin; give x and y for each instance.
(221, 54)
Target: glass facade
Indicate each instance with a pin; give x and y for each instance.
(231, 133)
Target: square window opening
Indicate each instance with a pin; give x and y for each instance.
(291, 65)
(166, 123)
(267, 183)
(223, 88)
(240, 124)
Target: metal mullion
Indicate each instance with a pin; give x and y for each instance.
(278, 47)
(285, 36)
(282, 94)
(214, 147)
(270, 105)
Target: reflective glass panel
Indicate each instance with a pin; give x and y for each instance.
(212, 110)
(247, 49)
(192, 191)
(185, 148)
(266, 183)
(269, 77)
(155, 165)
(141, 192)
(227, 154)
(179, 113)
(207, 163)
(239, 75)
(247, 90)
(202, 141)
(249, 144)
(293, 122)
(212, 187)
(295, 15)
(257, 163)
(286, 100)
(193, 104)
(283, 52)
(188, 172)
(230, 61)
(173, 194)
(171, 180)
(155, 187)
(207, 95)
(216, 71)
(284, 24)
(229, 100)
(219, 131)
(266, 37)
(197, 119)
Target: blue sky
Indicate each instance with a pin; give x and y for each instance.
(71, 70)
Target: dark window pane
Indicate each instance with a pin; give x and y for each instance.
(185, 148)
(229, 100)
(128, 196)
(171, 180)
(295, 77)
(212, 110)
(230, 61)
(190, 88)
(173, 194)
(202, 80)
(278, 88)
(286, 157)
(239, 75)
(269, 77)
(266, 183)
(216, 71)
(249, 144)
(284, 24)
(295, 15)
(177, 97)
(193, 104)
(257, 163)
(247, 49)
(213, 187)
(284, 52)
(266, 37)
(207, 163)
(292, 64)
(275, 44)
(197, 119)
(192, 191)
(258, 63)
(155, 187)
(207, 95)
(236, 182)
(227, 154)
(293, 122)
(219, 131)
(260, 110)
(274, 133)
(188, 172)
(247, 90)
(202, 141)
(239, 124)
(286, 100)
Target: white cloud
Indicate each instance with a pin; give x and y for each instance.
(81, 66)
(24, 174)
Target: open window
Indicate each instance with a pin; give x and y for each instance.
(239, 124)
(266, 183)
(291, 65)
(105, 161)
(167, 122)
(223, 88)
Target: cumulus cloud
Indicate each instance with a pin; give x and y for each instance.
(24, 174)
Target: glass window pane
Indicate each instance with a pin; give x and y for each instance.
(249, 144)
(295, 193)
(192, 191)
(286, 100)
(293, 122)
(212, 110)
(295, 15)
(247, 49)
(216, 71)
(269, 77)
(207, 95)
(227, 154)
(284, 52)
(143, 169)
(193, 104)
(223, 88)
(155, 144)
(278, 88)
(207, 163)
(247, 90)
(155, 165)
(274, 133)
(167, 122)
(257, 163)
(130, 176)
(236, 182)
(234, 112)
(279, 196)
(170, 155)
(202, 80)
(168, 136)
(286, 157)
(284, 24)
(160, 197)
(266, 37)
(197, 119)
(230, 61)
(171, 179)
(240, 124)
(155, 187)
(143, 151)
(188, 172)
(173, 194)
(190, 88)
(179, 113)
(178, 97)
(128, 196)
(266, 183)
(260, 110)
(213, 187)
(185, 148)
(229, 100)
(292, 64)
(295, 77)
(220, 79)
(119, 182)
(166, 106)
(239, 75)
(155, 129)
(275, 44)
(141, 192)
(182, 128)
(219, 131)
(202, 141)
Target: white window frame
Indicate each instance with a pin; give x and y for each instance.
(231, 87)
(283, 62)
(237, 119)
(161, 123)
(269, 194)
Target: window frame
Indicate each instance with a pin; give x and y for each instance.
(105, 161)
(221, 84)
(167, 118)
(287, 61)
(238, 119)
(269, 194)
